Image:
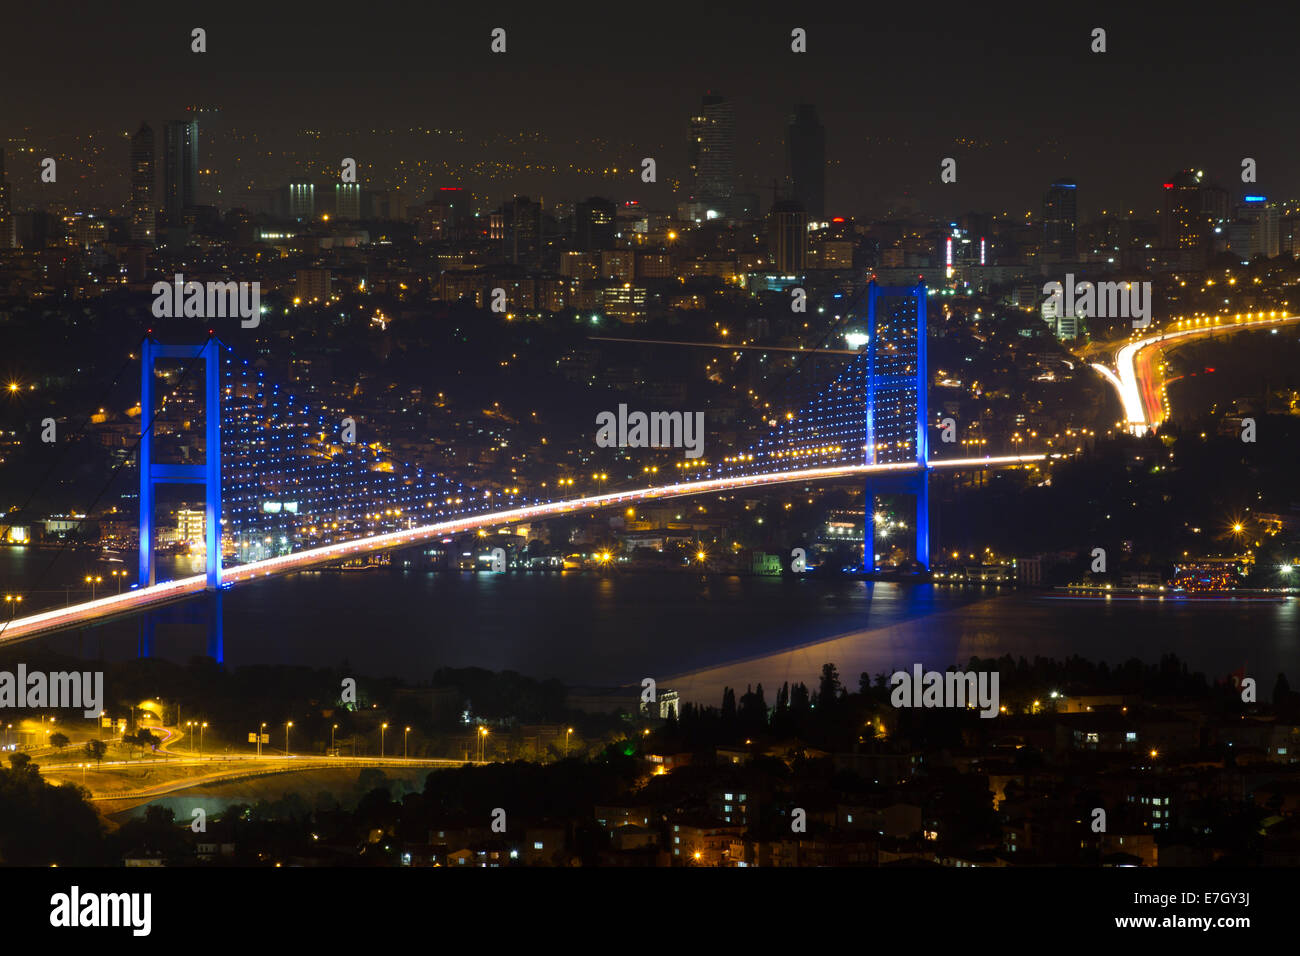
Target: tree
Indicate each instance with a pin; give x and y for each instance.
(728, 705)
(95, 750)
(829, 689)
(1281, 689)
(58, 741)
(21, 762)
(753, 708)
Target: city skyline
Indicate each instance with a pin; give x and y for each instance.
(883, 143)
(456, 438)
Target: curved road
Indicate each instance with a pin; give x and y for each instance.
(265, 769)
(1135, 377)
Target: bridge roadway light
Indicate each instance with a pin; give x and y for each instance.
(382, 728)
(405, 733)
(286, 737)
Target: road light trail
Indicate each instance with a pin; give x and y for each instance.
(1134, 379)
(139, 598)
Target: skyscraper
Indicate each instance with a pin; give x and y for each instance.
(347, 201)
(142, 186)
(1060, 221)
(181, 169)
(1180, 212)
(300, 200)
(216, 152)
(594, 220)
(522, 219)
(787, 237)
(1254, 231)
(805, 145)
(7, 232)
(711, 152)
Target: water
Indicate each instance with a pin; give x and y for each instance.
(693, 632)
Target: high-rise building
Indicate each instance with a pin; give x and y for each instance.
(8, 231)
(347, 201)
(216, 154)
(711, 152)
(301, 201)
(805, 145)
(1060, 222)
(143, 216)
(181, 169)
(594, 221)
(1064, 327)
(1214, 204)
(1180, 212)
(787, 237)
(1255, 229)
(522, 232)
(386, 204)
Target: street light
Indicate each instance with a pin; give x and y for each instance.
(482, 740)
(121, 576)
(202, 727)
(404, 736)
(332, 729)
(93, 580)
(13, 600)
(566, 741)
(382, 728)
(259, 738)
(286, 737)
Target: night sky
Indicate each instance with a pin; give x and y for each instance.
(1017, 99)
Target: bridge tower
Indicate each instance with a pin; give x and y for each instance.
(207, 474)
(897, 411)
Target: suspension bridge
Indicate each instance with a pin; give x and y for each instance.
(287, 488)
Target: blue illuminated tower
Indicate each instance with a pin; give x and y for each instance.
(896, 413)
(207, 474)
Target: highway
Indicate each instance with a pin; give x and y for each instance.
(1135, 377)
(129, 602)
(264, 768)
